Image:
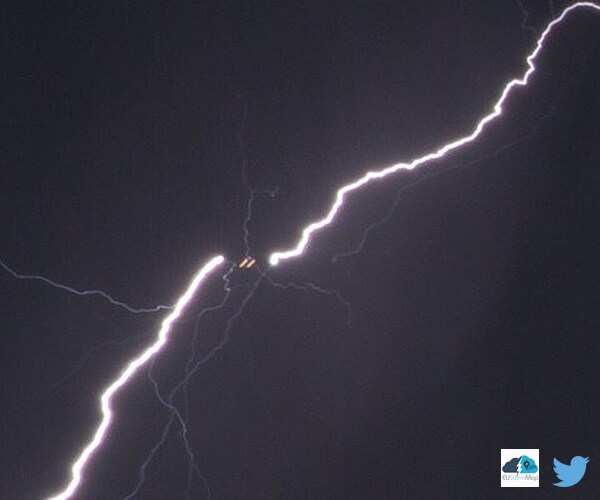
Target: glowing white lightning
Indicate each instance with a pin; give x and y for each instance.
(274, 259)
(127, 374)
(316, 226)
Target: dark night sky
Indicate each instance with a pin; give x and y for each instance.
(124, 131)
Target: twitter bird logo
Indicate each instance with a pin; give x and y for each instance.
(570, 474)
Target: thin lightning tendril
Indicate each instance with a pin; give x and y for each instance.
(82, 293)
(275, 258)
(318, 289)
(127, 374)
(192, 366)
(314, 227)
(253, 194)
(525, 23)
(169, 404)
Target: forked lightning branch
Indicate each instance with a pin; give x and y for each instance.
(78, 467)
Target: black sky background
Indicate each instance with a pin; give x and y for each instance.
(124, 131)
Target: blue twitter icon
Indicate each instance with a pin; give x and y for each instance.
(570, 474)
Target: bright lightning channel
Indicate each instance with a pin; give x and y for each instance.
(295, 252)
(134, 365)
(316, 226)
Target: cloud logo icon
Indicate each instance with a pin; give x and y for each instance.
(528, 465)
(522, 464)
(512, 465)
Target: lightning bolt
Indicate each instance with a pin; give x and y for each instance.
(342, 193)
(132, 368)
(376, 225)
(297, 251)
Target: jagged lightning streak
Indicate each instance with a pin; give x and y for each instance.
(386, 218)
(126, 375)
(314, 227)
(298, 250)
